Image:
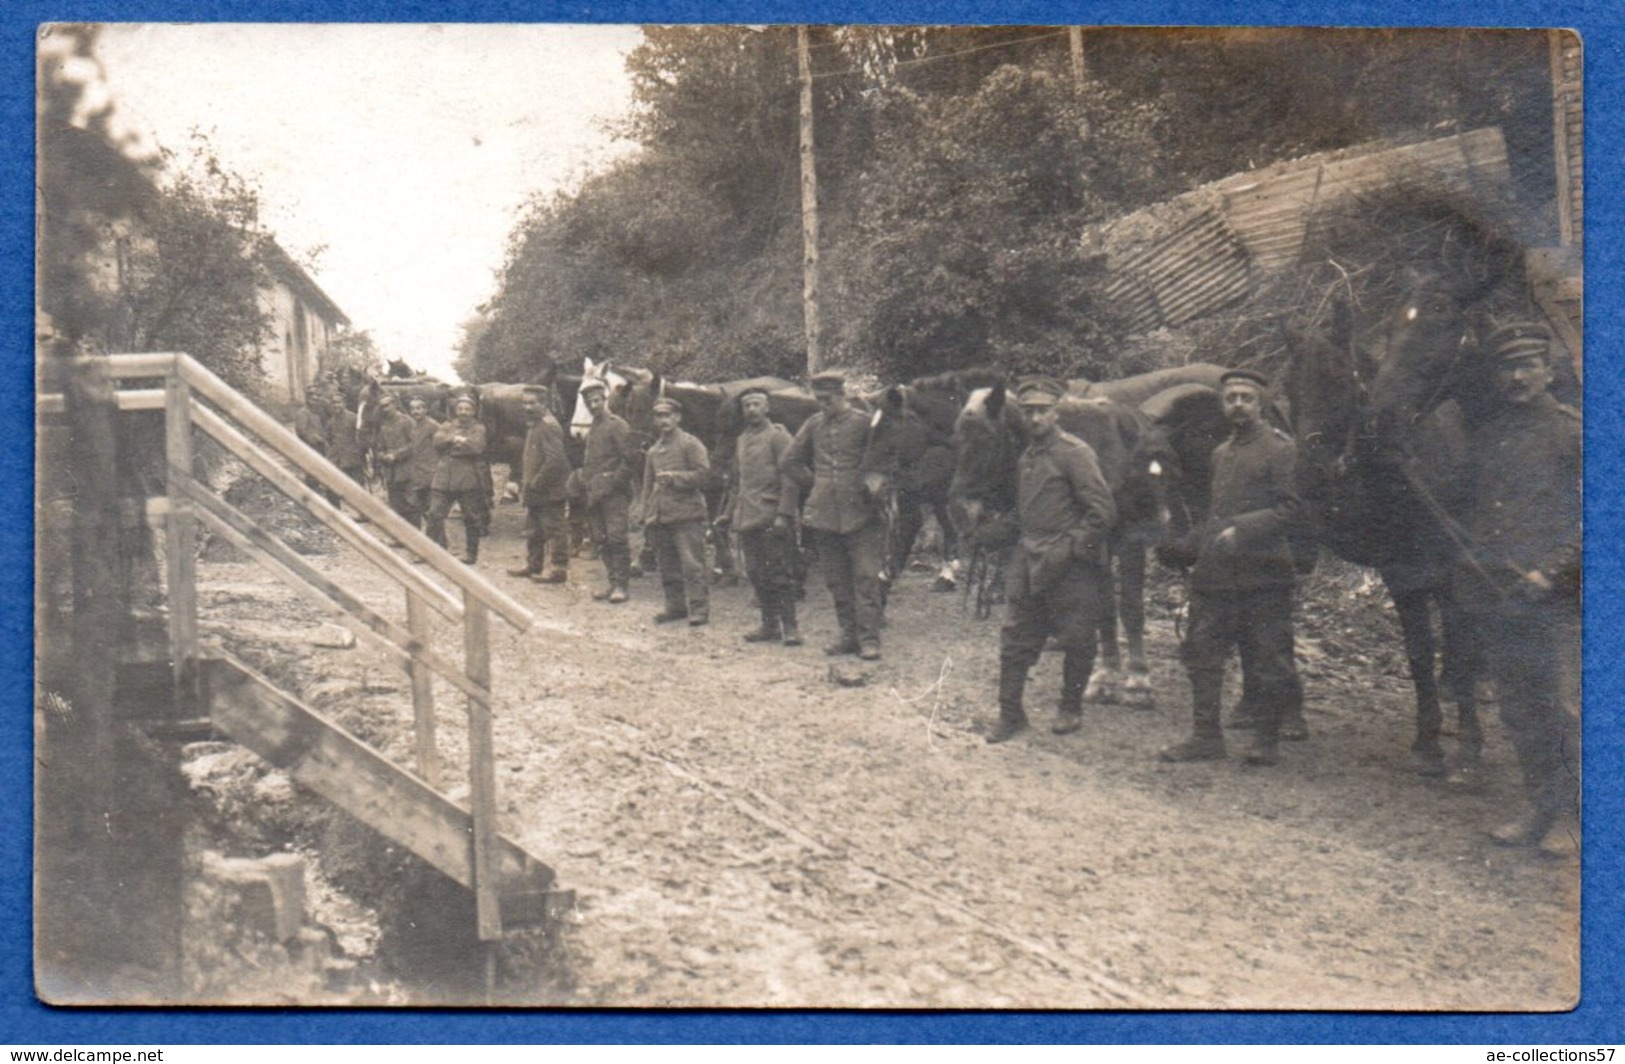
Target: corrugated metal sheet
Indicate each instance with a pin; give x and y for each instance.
(1195, 254)
(1270, 211)
(1195, 270)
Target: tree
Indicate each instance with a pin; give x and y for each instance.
(192, 267)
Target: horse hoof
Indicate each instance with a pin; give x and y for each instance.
(1428, 762)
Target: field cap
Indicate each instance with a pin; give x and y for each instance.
(1520, 339)
(1249, 376)
(1040, 391)
(665, 405)
(828, 381)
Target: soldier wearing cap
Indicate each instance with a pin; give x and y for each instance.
(424, 457)
(1056, 584)
(1520, 581)
(846, 488)
(392, 451)
(674, 514)
(460, 444)
(609, 468)
(765, 501)
(544, 472)
(1241, 584)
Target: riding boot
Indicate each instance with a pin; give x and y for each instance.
(1075, 670)
(471, 549)
(769, 632)
(1012, 718)
(847, 617)
(786, 602)
(1266, 733)
(436, 531)
(1207, 734)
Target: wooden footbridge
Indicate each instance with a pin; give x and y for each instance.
(511, 887)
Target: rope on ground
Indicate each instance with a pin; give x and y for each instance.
(934, 689)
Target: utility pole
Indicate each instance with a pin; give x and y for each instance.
(1075, 33)
(809, 211)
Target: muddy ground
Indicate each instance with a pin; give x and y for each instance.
(742, 830)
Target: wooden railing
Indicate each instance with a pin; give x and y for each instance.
(193, 397)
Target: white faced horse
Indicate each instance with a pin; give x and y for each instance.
(615, 388)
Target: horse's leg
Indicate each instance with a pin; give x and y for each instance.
(1131, 576)
(1460, 673)
(1416, 622)
(910, 518)
(1105, 682)
(952, 565)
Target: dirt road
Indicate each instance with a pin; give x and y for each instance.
(741, 830)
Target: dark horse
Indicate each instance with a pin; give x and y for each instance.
(1382, 461)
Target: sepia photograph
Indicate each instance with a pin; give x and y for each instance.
(862, 517)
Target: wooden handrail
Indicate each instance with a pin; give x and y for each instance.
(359, 538)
(245, 535)
(296, 450)
(127, 399)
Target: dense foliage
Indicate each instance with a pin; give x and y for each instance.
(956, 170)
(142, 253)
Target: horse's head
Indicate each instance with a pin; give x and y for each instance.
(636, 402)
(987, 438)
(615, 388)
(397, 369)
(1427, 355)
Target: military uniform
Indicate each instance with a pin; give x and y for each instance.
(830, 456)
(608, 471)
(457, 480)
(675, 516)
(393, 452)
(344, 446)
(1057, 581)
(1526, 518)
(1241, 594)
(763, 495)
(423, 462)
(544, 474)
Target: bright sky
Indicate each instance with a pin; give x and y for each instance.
(408, 150)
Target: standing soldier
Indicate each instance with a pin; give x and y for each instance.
(310, 424)
(460, 443)
(544, 473)
(845, 510)
(1057, 579)
(393, 451)
(1241, 584)
(344, 443)
(1520, 583)
(608, 471)
(764, 507)
(424, 458)
(674, 515)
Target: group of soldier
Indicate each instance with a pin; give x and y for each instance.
(1519, 579)
(817, 479)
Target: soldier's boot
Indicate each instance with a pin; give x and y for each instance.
(436, 531)
(1264, 748)
(770, 630)
(1206, 742)
(1012, 718)
(787, 618)
(847, 617)
(471, 549)
(1074, 678)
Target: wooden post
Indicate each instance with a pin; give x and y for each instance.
(482, 782)
(180, 540)
(809, 212)
(417, 622)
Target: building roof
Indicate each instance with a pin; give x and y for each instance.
(295, 277)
